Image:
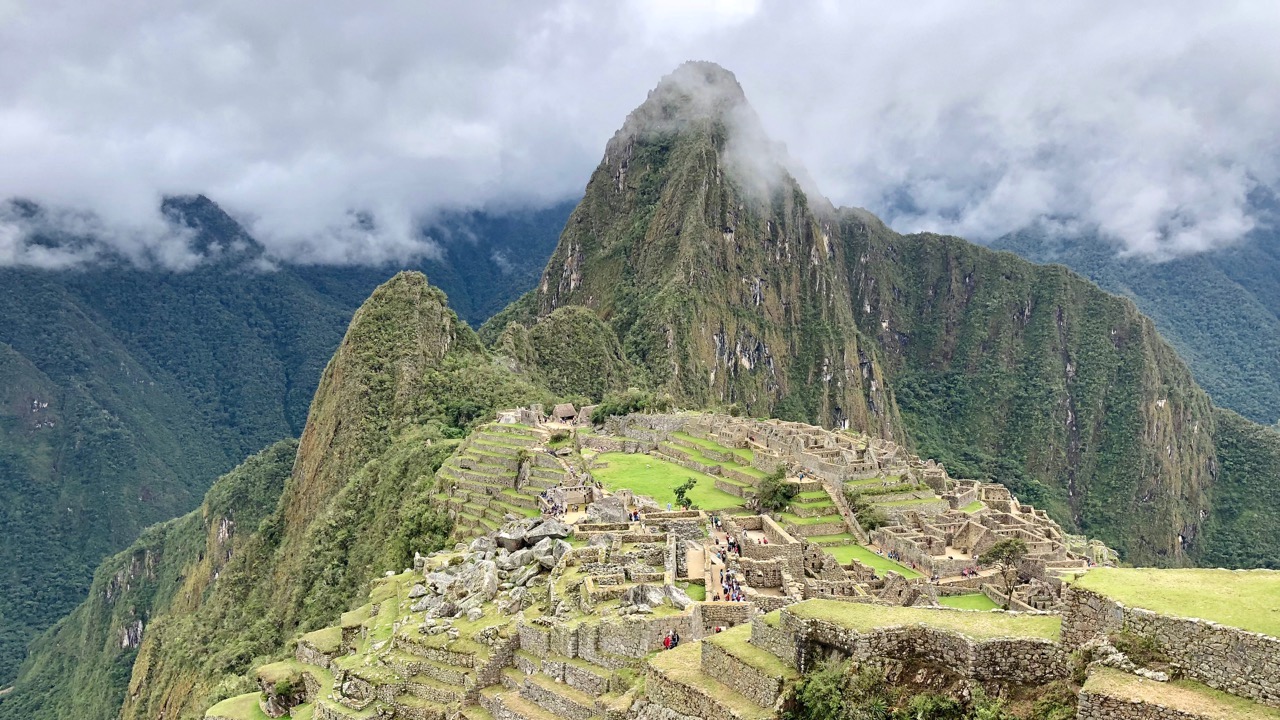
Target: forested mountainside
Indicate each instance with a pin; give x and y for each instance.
(727, 283)
(1219, 309)
(124, 392)
(718, 289)
(223, 587)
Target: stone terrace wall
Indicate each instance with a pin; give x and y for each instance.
(1229, 659)
(775, 640)
(759, 687)
(721, 614)
(1027, 661)
(1102, 707)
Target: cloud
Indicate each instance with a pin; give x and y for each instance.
(1150, 121)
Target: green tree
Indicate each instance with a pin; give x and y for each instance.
(682, 493)
(1006, 555)
(774, 493)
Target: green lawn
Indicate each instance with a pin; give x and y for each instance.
(974, 506)
(979, 626)
(1247, 599)
(845, 553)
(648, 475)
(973, 601)
(240, 707)
(694, 591)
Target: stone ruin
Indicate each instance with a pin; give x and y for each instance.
(538, 617)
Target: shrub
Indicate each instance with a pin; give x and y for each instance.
(868, 515)
(1056, 702)
(1141, 649)
(774, 494)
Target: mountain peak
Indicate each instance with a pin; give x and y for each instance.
(697, 90)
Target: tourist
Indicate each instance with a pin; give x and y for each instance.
(666, 641)
(675, 638)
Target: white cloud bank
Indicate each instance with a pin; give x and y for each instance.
(1150, 120)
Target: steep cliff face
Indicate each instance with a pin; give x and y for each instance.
(729, 282)
(1035, 377)
(1245, 499)
(698, 247)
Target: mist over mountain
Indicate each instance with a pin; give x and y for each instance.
(333, 131)
(698, 270)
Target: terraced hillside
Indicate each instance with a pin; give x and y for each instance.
(497, 474)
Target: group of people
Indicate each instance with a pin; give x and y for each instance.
(633, 515)
(731, 546)
(671, 641)
(730, 588)
(969, 572)
(555, 509)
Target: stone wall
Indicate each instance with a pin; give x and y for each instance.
(720, 614)
(1103, 707)
(1026, 661)
(775, 640)
(605, 443)
(759, 573)
(1229, 659)
(756, 686)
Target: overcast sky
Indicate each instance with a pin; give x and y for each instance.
(1150, 120)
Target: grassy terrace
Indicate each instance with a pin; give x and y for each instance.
(695, 455)
(745, 455)
(1189, 697)
(734, 642)
(972, 601)
(683, 665)
(978, 626)
(240, 707)
(1246, 599)
(845, 553)
(974, 506)
(816, 520)
(648, 475)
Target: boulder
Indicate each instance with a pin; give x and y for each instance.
(612, 509)
(560, 548)
(549, 528)
(482, 544)
(511, 542)
(525, 574)
(643, 595)
(417, 591)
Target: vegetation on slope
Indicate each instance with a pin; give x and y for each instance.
(80, 667)
(408, 376)
(1220, 309)
(1245, 510)
(157, 382)
(571, 351)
